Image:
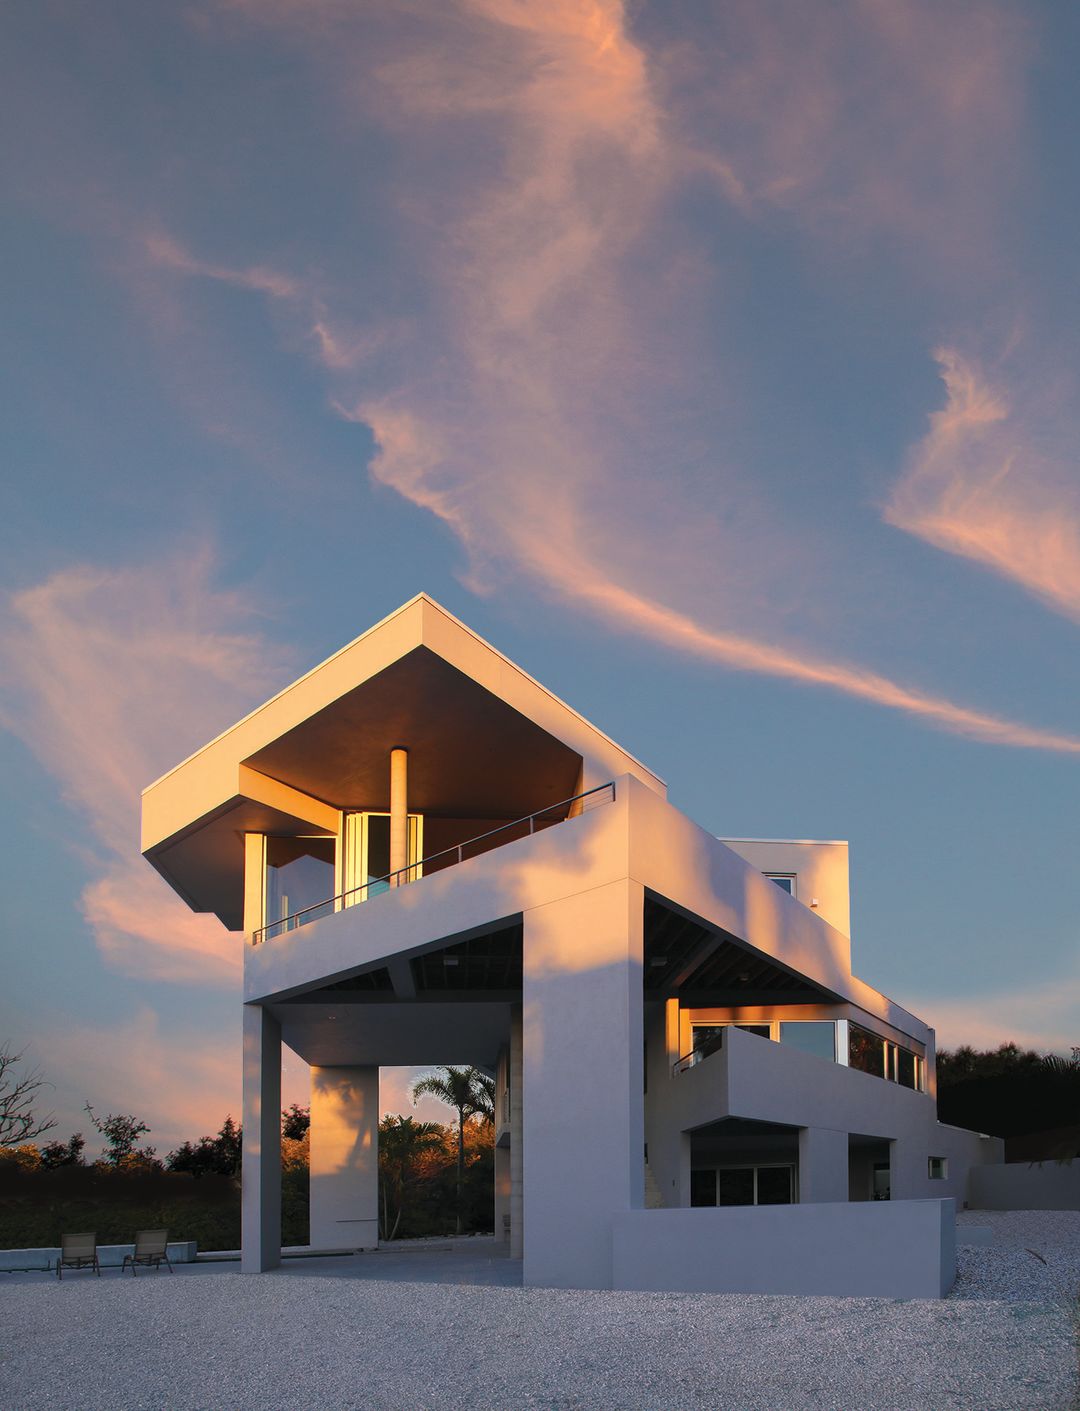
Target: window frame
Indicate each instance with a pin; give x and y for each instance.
(779, 877)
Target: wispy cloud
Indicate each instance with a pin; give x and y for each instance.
(563, 563)
(161, 249)
(981, 484)
(530, 417)
(1040, 1016)
(111, 676)
(532, 448)
(169, 1076)
(889, 119)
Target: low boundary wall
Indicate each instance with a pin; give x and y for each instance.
(109, 1256)
(872, 1249)
(1018, 1186)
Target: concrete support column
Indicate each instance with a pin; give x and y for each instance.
(823, 1165)
(345, 1158)
(517, 1149)
(399, 812)
(254, 883)
(260, 1205)
(582, 1081)
(908, 1177)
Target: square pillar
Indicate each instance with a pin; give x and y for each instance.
(583, 1100)
(260, 1202)
(823, 1165)
(517, 1148)
(908, 1174)
(345, 1157)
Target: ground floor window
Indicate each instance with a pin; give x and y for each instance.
(742, 1185)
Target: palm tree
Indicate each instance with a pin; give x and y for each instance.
(472, 1094)
(402, 1142)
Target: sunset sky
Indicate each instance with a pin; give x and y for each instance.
(718, 362)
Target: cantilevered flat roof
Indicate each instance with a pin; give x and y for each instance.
(485, 740)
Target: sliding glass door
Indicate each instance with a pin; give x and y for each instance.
(366, 854)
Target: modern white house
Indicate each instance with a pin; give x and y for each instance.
(435, 860)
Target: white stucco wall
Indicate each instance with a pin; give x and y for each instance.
(889, 1249)
(1020, 1186)
(822, 878)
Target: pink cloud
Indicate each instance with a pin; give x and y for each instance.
(561, 326)
(527, 450)
(163, 250)
(1040, 1016)
(980, 484)
(167, 1075)
(112, 676)
(894, 118)
(555, 549)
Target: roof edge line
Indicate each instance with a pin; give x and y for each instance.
(290, 687)
(541, 687)
(420, 597)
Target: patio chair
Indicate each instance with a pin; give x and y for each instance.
(78, 1252)
(151, 1249)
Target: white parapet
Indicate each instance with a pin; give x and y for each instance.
(880, 1249)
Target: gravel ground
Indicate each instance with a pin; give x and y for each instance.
(210, 1340)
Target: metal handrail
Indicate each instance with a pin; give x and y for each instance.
(708, 1046)
(410, 873)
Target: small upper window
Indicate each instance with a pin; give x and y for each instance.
(784, 880)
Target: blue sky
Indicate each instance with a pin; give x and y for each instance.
(716, 363)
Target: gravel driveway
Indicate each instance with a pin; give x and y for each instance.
(208, 1338)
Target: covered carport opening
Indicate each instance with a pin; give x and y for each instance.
(456, 1002)
(739, 1162)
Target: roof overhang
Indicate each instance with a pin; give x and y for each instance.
(485, 740)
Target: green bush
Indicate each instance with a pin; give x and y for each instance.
(38, 1205)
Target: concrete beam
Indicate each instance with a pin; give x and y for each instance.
(260, 788)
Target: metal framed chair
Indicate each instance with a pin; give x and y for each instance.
(78, 1252)
(151, 1250)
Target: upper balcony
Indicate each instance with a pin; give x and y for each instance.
(487, 746)
(378, 881)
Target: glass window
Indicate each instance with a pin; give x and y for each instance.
(774, 1185)
(907, 1068)
(816, 1036)
(784, 880)
(735, 1186)
(703, 1187)
(706, 1038)
(299, 874)
(377, 867)
(938, 1168)
(866, 1051)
